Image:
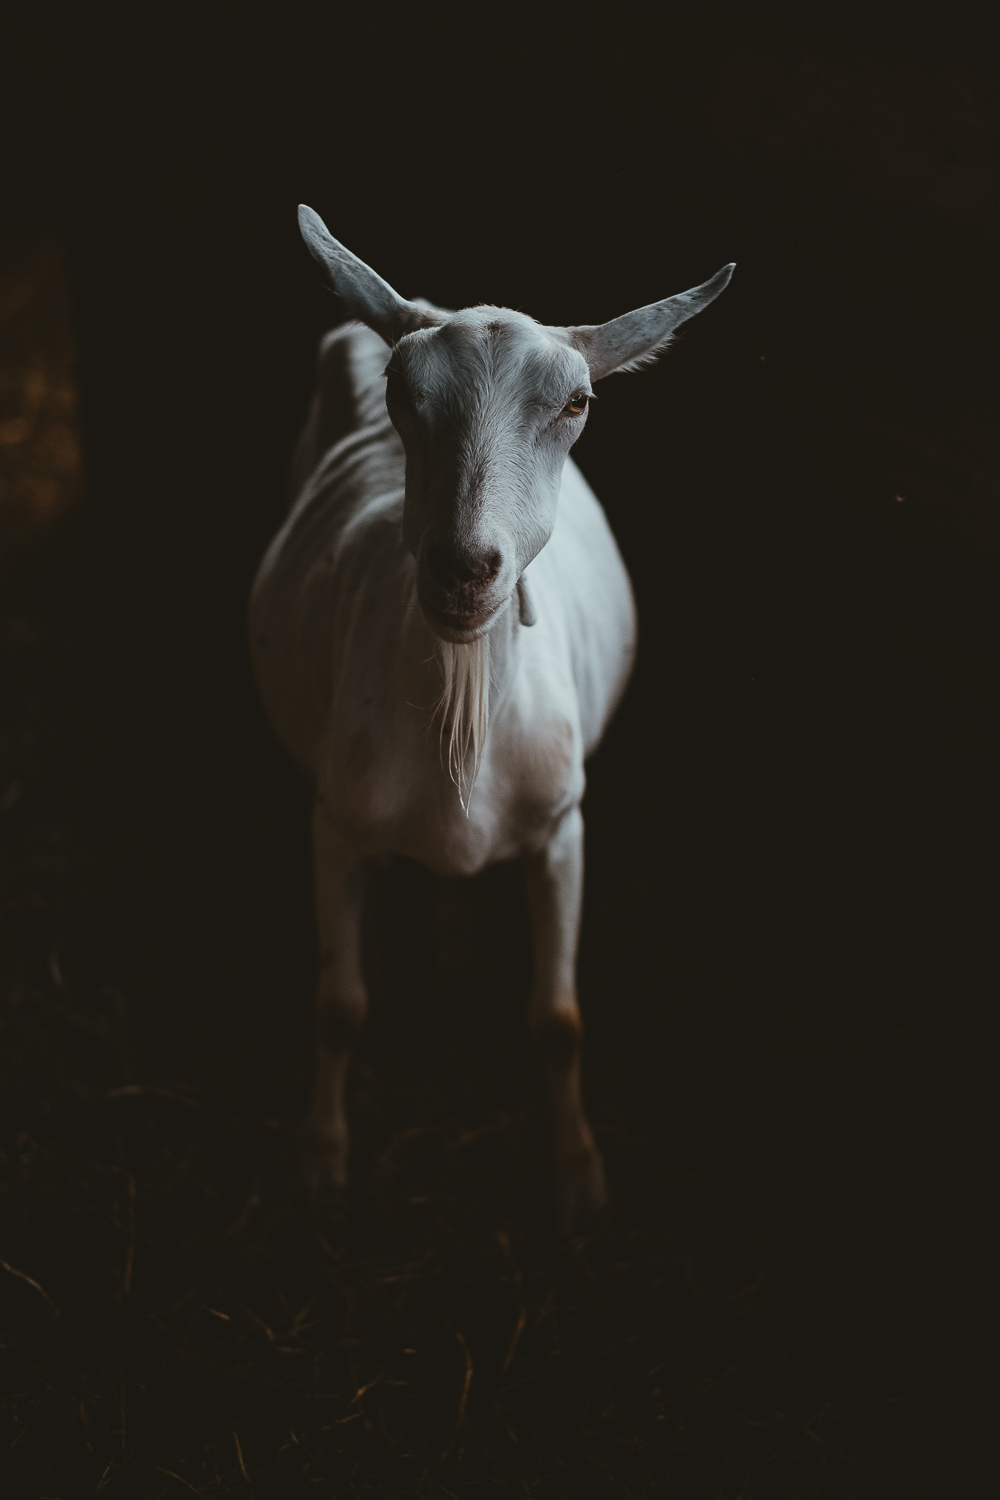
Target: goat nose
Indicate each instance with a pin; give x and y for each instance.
(454, 567)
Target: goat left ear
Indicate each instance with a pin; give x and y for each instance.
(367, 297)
(636, 338)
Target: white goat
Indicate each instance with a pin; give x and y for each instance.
(435, 517)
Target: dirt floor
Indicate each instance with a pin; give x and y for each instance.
(790, 947)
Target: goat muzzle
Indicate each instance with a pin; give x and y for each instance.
(457, 588)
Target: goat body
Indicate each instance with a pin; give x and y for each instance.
(441, 630)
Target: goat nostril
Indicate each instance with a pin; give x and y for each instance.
(440, 564)
(453, 568)
(491, 566)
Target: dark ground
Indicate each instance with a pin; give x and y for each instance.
(790, 951)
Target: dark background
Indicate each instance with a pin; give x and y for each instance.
(789, 957)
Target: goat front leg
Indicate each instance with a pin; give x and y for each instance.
(341, 1001)
(554, 881)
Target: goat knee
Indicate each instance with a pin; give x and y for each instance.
(558, 1036)
(339, 1019)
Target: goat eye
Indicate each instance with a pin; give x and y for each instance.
(576, 405)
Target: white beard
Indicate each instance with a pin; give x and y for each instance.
(464, 706)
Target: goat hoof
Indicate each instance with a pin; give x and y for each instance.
(581, 1193)
(322, 1163)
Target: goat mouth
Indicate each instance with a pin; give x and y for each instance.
(458, 628)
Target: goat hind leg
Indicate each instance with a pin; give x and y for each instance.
(341, 1001)
(554, 880)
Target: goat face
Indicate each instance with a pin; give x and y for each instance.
(487, 404)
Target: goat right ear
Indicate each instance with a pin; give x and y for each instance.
(366, 296)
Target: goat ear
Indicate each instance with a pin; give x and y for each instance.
(636, 338)
(366, 296)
